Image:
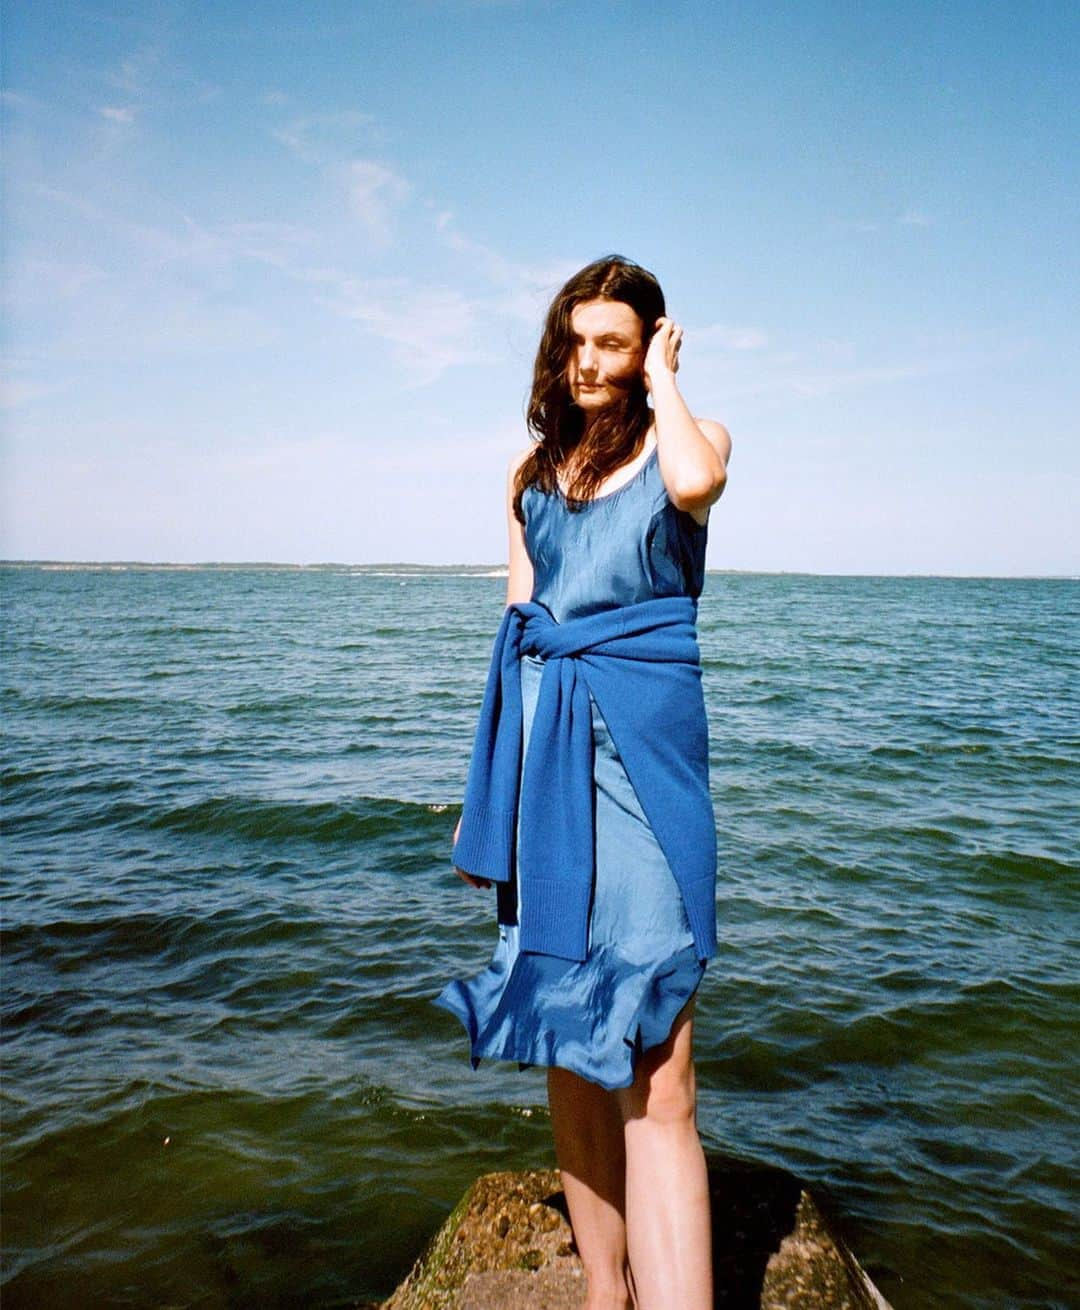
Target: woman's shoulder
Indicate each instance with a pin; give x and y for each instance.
(513, 468)
(518, 458)
(516, 461)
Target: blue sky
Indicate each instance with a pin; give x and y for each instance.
(275, 272)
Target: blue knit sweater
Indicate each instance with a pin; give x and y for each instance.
(642, 664)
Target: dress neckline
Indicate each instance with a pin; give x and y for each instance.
(610, 495)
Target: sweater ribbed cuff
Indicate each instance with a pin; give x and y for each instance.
(484, 846)
(700, 902)
(555, 917)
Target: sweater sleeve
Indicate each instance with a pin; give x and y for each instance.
(485, 844)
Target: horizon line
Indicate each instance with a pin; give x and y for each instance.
(481, 570)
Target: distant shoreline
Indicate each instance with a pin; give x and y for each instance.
(402, 568)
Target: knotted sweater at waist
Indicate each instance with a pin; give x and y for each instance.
(642, 665)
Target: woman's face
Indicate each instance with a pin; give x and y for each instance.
(606, 353)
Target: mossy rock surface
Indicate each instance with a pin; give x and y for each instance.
(508, 1245)
(508, 1237)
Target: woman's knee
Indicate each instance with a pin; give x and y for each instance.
(665, 1086)
(666, 1094)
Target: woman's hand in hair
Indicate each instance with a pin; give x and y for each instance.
(468, 877)
(662, 356)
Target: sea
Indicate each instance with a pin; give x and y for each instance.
(228, 800)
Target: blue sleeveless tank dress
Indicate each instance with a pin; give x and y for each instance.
(595, 1017)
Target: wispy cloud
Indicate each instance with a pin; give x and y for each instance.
(36, 279)
(373, 190)
(906, 218)
(154, 246)
(135, 70)
(723, 336)
(152, 77)
(914, 218)
(326, 139)
(175, 279)
(375, 193)
(19, 386)
(817, 369)
(430, 328)
(854, 225)
(518, 290)
(277, 244)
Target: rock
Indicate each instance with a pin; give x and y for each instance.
(815, 1268)
(508, 1245)
(779, 1246)
(508, 1242)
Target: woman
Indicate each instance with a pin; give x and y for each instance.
(595, 973)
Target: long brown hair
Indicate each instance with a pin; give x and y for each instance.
(553, 419)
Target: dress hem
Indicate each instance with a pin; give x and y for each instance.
(668, 989)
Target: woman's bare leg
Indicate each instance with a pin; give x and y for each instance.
(668, 1221)
(588, 1130)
